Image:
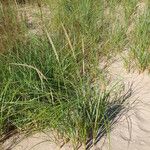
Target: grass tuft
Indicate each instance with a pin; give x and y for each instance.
(54, 81)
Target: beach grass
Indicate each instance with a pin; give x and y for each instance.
(54, 80)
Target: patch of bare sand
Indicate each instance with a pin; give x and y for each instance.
(38, 141)
(133, 130)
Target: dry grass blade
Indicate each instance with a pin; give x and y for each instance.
(41, 75)
(52, 44)
(68, 39)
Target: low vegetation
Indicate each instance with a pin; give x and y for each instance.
(53, 80)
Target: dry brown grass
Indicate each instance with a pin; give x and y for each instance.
(10, 26)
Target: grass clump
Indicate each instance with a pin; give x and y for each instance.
(54, 81)
(38, 92)
(140, 44)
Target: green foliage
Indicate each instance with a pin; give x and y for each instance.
(53, 81)
(140, 44)
(38, 91)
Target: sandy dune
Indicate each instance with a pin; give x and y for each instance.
(131, 133)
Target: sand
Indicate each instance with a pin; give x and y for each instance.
(132, 132)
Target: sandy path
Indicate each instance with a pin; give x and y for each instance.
(131, 133)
